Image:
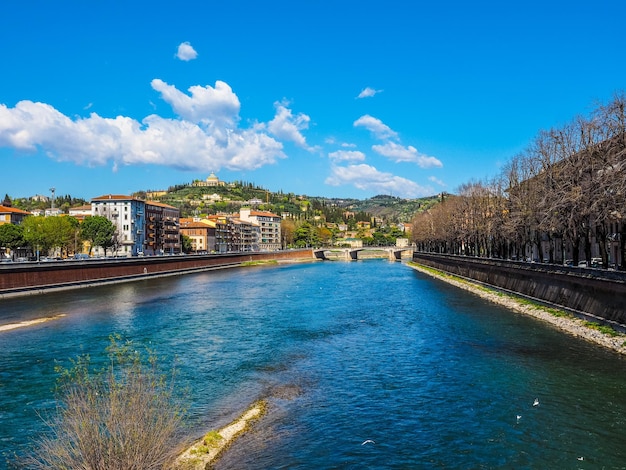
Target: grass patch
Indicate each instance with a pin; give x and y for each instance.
(259, 262)
(605, 329)
(212, 439)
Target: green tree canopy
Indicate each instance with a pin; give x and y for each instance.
(187, 245)
(48, 233)
(11, 236)
(99, 231)
(35, 234)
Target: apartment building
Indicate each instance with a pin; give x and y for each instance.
(128, 215)
(266, 226)
(162, 229)
(141, 227)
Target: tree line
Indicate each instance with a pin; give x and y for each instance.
(565, 190)
(62, 235)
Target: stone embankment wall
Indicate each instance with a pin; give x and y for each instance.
(597, 292)
(32, 278)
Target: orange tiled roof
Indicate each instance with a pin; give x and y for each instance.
(14, 210)
(81, 208)
(160, 204)
(263, 214)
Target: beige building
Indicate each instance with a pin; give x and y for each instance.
(211, 180)
(267, 226)
(201, 232)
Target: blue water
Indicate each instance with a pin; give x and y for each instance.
(346, 352)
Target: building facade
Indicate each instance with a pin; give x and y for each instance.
(162, 229)
(267, 227)
(128, 215)
(201, 232)
(12, 215)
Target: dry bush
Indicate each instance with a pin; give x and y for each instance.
(122, 417)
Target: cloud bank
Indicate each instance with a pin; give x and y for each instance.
(206, 138)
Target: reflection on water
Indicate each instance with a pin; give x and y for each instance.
(346, 351)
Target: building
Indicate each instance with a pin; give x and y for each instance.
(267, 227)
(141, 227)
(221, 233)
(201, 232)
(11, 215)
(242, 236)
(162, 231)
(155, 194)
(53, 212)
(127, 213)
(80, 212)
(211, 181)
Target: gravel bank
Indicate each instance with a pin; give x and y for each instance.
(560, 319)
(205, 451)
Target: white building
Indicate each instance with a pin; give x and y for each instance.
(128, 215)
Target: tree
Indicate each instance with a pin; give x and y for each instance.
(34, 234)
(186, 243)
(124, 416)
(287, 229)
(306, 235)
(99, 231)
(11, 236)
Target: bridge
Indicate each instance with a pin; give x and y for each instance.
(394, 253)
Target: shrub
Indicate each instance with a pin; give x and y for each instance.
(121, 417)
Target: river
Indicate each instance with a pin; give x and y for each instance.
(348, 352)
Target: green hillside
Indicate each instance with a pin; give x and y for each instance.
(230, 197)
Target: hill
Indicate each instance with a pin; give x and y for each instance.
(230, 197)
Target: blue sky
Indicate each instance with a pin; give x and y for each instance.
(323, 98)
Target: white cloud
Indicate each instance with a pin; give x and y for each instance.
(347, 156)
(399, 153)
(368, 178)
(216, 107)
(375, 126)
(186, 52)
(95, 140)
(436, 181)
(286, 126)
(368, 92)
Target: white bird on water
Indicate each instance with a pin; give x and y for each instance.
(536, 402)
(519, 417)
(369, 441)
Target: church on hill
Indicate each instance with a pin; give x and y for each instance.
(211, 180)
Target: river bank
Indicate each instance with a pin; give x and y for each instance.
(590, 331)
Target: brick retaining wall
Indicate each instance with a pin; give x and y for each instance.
(16, 278)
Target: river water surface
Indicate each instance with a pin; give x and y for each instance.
(348, 352)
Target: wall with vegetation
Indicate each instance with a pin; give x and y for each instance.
(596, 292)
